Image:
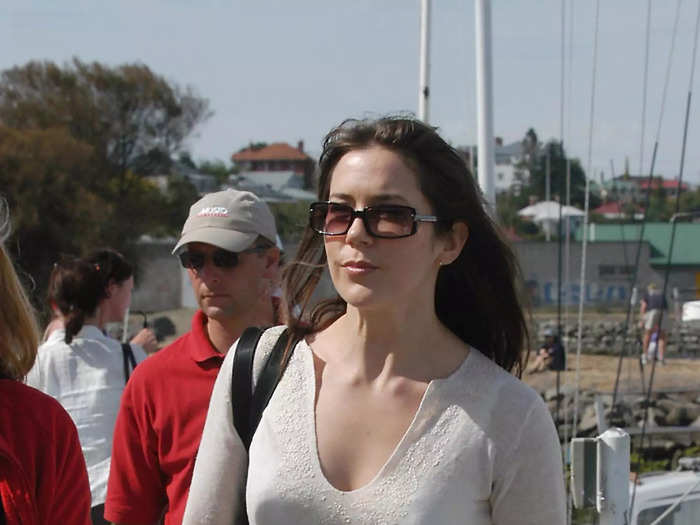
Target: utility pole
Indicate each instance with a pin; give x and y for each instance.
(424, 80)
(484, 104)
(547, 192)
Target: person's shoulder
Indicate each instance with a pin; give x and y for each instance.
(158, 363)
(507, 409)
(32, 406)
(55, 343)
(488, 380)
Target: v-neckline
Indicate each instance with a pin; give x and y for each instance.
(396, 453)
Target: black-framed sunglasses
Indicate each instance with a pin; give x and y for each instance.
(194, 260)
(386, 221)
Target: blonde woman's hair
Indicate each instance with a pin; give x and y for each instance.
(19, 335)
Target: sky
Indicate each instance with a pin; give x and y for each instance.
(281, 70)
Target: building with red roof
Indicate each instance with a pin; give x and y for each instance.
(615, 210)
(278, 156)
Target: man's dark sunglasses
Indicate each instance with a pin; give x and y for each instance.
(386, 221)
(194, 260)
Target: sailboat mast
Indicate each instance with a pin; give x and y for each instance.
(484, 101)
(424, 80)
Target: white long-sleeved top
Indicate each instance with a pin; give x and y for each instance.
(87, 378)
(481, 449)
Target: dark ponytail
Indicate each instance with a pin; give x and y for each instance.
(75, 288)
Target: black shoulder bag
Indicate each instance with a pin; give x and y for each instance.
(248, 405)
(129, 359)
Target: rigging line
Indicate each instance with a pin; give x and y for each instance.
(585, 217)
(667, 272)
(645, 83)
(567, 244)
(561, 76)
(647, 197)
(559, 185)
(620, 200)
(559, 223)
(568, 99)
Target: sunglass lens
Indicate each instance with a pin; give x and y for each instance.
(225, 259)
(192, 260)
(390, 221)
(338, 218)
(330, 218)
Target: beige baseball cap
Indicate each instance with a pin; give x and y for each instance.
(229, 219)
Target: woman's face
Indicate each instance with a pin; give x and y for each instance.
(118, 301)
(370, 272)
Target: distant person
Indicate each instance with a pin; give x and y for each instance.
(42, 471)
(550, 356)
(397, 404)
(117, 270)
(654, 318)
(228, 248)
(80, 366)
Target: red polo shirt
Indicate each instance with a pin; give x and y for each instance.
(158, 430)
(42, 471)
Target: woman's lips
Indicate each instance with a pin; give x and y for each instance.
(359, 266)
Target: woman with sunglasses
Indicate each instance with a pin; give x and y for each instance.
(42, 471)
(399, 402)
(80, 366)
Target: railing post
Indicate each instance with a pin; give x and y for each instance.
(612, 498)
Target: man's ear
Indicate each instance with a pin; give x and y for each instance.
(272, 259)
(454, 241)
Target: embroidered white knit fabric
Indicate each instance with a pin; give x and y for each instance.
(481, 449)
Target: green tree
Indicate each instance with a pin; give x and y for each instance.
(290, 218)
(661, 207)
(690, 201)
(45, 175)
(531, 148)
(217, 168)
(124, 112)
(75, 143)
(557, 162)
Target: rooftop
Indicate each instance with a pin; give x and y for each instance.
(686, 248)
(275, 151)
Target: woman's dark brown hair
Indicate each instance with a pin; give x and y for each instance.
(75, 288)
(111, 265)
(477, 296)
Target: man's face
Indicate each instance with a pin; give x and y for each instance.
(226, 293)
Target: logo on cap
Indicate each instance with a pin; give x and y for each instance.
(213, 211)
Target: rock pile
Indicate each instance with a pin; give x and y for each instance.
(667, 408)
(610, 336)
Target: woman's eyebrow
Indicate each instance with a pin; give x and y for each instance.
(388, 198)
(381, 198)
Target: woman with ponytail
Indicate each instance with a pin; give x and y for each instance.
(84, 369)
(42, 471)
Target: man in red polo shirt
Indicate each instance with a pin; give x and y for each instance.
(228, 247)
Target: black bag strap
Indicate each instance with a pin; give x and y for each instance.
(129, 359)
(242, 379)
(247, 405)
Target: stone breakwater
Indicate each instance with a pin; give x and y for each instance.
(676, 408)
(610, 336)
